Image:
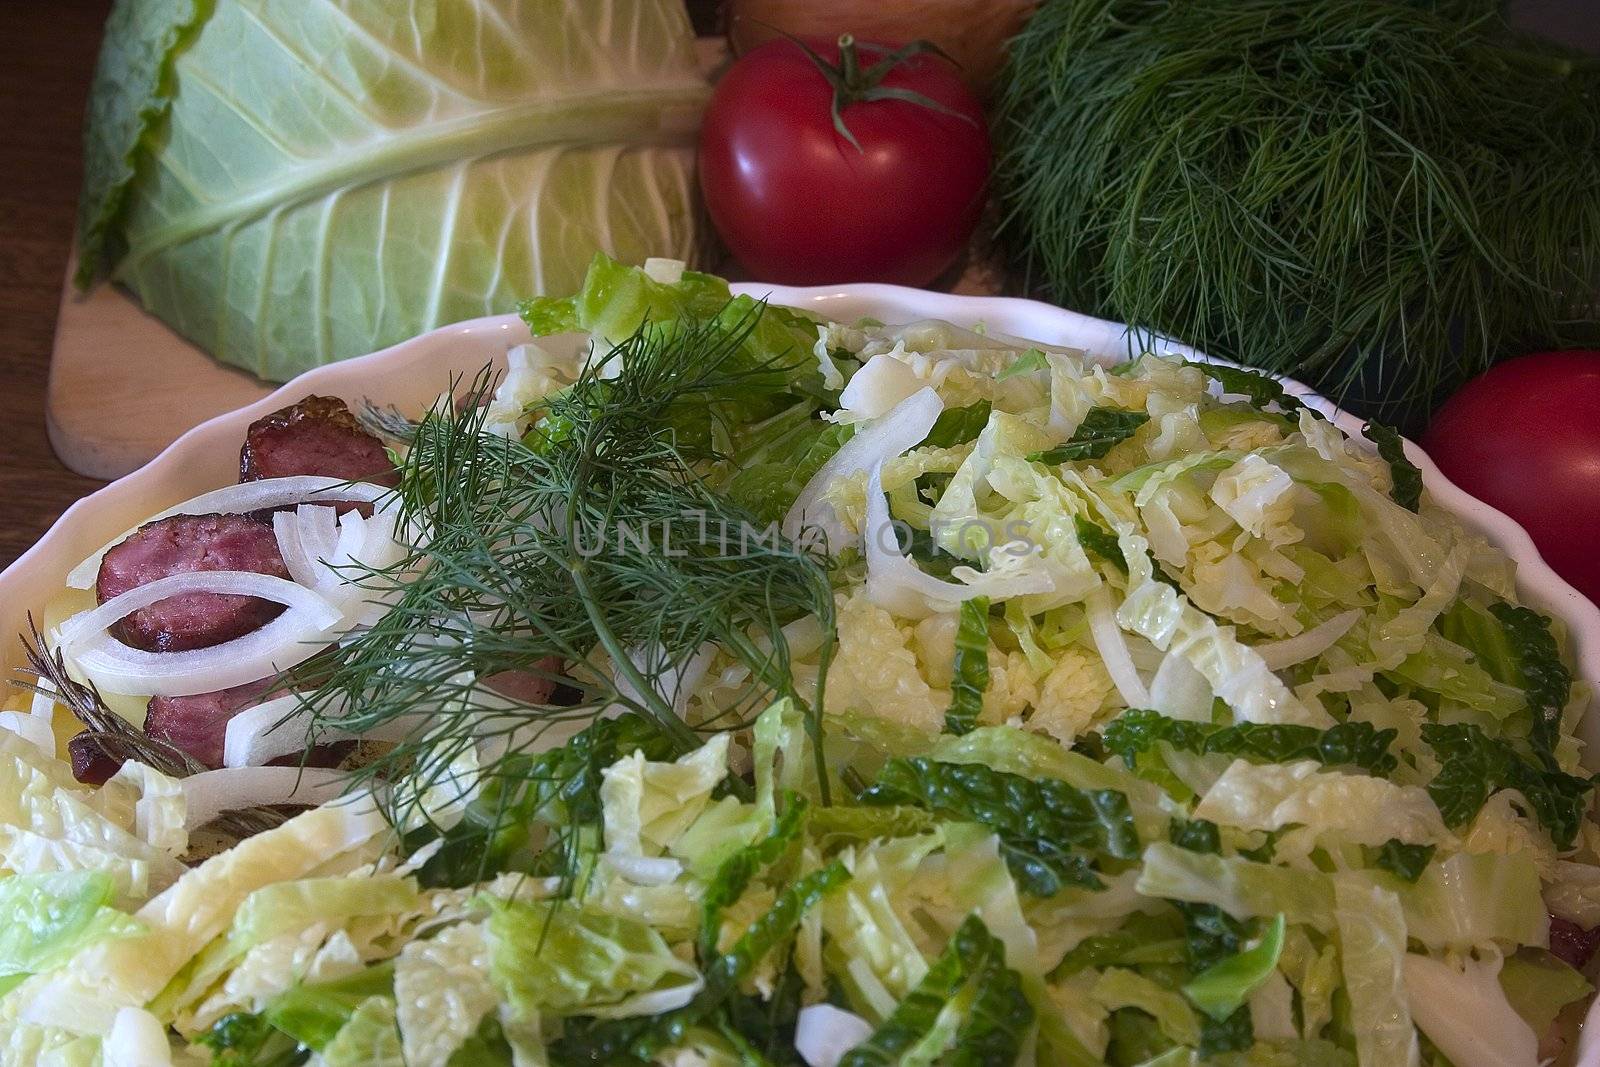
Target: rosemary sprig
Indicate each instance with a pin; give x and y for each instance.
(115, 736)
(596, 541)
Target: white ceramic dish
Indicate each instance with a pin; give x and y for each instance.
(411, 374)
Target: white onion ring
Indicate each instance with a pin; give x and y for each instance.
(893, 581)
(902, 428)
(210, 793)
(80, 627)
(238, 499)
(291, 638)
(824, 1033)
(1113, 649)
(43, 704)
(1314, 642)
(282, 726)
(316, 546)
(306, 536)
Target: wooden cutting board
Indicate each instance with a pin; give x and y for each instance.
(123, 386)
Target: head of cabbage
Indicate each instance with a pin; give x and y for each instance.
(292, 184)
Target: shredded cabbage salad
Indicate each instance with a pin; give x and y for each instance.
(1160, 724)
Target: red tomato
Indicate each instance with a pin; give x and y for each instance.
(798, 204)
(1525, 437)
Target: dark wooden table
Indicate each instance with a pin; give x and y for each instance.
(48, 51)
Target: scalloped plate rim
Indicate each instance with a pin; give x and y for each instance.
(166, 478)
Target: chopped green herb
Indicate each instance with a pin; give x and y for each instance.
(971, 672)
(996, 1019)
(1405, 861)
(616, 1040)
(1223, 987)
(1102, 429)
(1196, 835)
(1544, 677)
(1040, 823)
(1473, 765)
(1140, 940)
(735, 872)
(957, 426)
(1213, 936)
(1096, 540)
(1405, 476)
(1031, 360)
(1262, 390)
(1356, 744)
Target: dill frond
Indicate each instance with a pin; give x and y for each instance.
(595, 541)
(1379, 197)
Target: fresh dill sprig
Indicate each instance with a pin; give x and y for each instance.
(595, 542)
(1377, 196)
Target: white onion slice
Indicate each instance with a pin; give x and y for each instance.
(1113, 649)
(645, 870)
(1314, 642)
(894, 581)
(291, 638)
(136, 1039)
(673, 684)
(882, 382)
(318, 548)
(282, 726)
(210, 793)
(238, 499)
(43, 705)
(81, 627)
(824, 1033)
(32, 729)
(901, 429)
(260, 734)
(305, 536)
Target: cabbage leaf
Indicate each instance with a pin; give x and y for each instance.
(968, 1001)
(288, 185)
(1041, 824)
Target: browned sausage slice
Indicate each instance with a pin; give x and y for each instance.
(1571, 943)
(317, 436)
(90, 764)
(527, 687)
(198, 724)
(182, 544)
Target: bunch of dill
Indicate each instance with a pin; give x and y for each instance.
(594, 543)
(1380, 197)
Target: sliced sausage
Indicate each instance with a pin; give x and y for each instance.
(317, 436)
(183, 544)
(527, 686)
(90, 763)
(198, 724)
(1571, 943)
